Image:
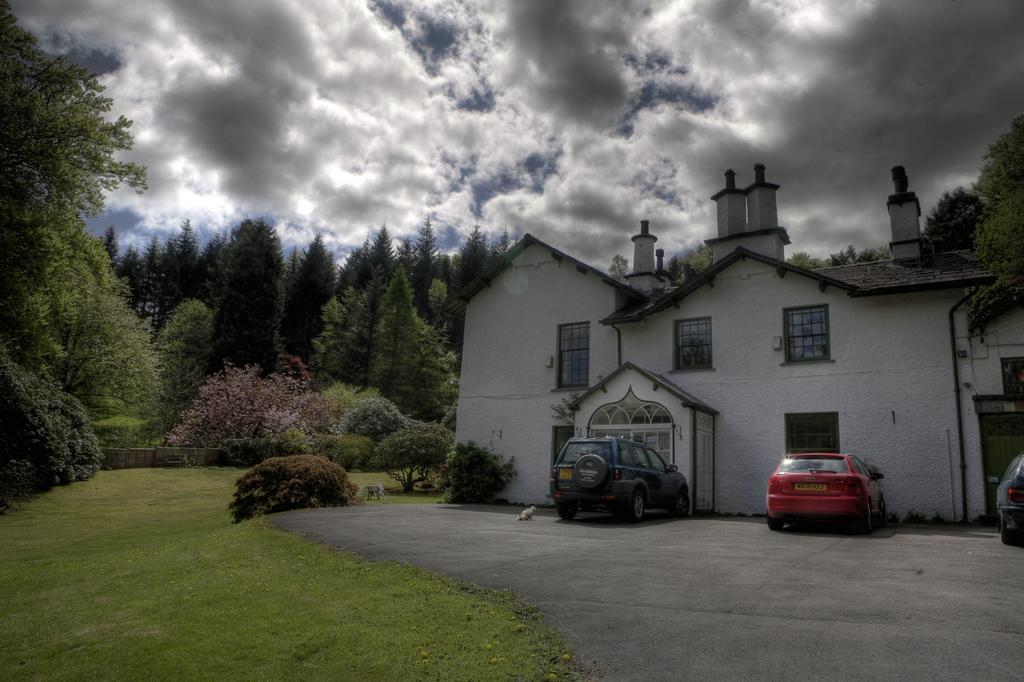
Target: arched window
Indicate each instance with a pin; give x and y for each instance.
(630, 410)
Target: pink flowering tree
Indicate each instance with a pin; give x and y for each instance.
(238, 403)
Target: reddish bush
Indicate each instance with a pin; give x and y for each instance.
(293, 482)
(238, 403)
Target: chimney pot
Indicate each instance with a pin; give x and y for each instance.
(899, 179)
(759, 172)
(730, 179)
(660, 255)
(645, 227)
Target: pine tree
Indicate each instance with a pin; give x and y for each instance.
(208, 269)
(424, 268)
(473, 257)
(151, 290)
(406, 255)
(502, 244)
(382, 255)
(248, 312)
(397, 339)
(110, 244)
(131, 269)
(179, 266)
(344, 349)
(310, 288)
(357, 271)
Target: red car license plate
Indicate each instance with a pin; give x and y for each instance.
(810, 486)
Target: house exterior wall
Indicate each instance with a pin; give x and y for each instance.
(1002, 337)
(507, 392)
(889, 379)
(981, 374)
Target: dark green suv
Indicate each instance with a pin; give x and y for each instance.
(617, 475)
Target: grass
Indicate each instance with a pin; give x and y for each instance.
(140, 574)
(393, 488)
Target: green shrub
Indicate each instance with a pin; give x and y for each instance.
(250, 451)
(476, 474)
(348, 450)
(341, 398)
(45, 438)
(293, 482)
(409, 455)
(375, 418)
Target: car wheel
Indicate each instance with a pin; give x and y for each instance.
(568, 511)
(1008, 536)
(882, 518)
(865, 525)
(637, 507)
(776, 523)
(681, 505)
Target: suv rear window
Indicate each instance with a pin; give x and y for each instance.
(573, 451)
(835, 465)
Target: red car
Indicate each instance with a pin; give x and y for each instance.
(825, 486)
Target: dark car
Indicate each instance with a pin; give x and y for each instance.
(617, 475)
(1010, 502)
(826, 487)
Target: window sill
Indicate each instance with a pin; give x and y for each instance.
(806, 362)
(571, 389)
(692, 369)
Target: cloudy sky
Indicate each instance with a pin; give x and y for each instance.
(571, 121)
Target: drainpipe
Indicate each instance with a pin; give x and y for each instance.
(959, 411)
(618, 345)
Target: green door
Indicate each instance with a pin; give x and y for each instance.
(1002, 437)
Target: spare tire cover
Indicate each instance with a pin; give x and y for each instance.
(591, 471)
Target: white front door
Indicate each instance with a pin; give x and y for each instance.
(704, 462)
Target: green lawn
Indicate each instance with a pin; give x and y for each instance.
(140, 574)
(393, 488)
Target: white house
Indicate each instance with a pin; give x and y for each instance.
(748, 360)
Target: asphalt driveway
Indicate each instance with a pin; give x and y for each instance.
(719, 598)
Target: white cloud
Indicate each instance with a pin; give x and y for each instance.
(569, 120)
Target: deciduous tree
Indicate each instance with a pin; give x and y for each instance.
(952, 223)
(57, 147)
(184, 346)
(1000, 237)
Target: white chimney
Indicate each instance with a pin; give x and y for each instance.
(761, 210)
(732, 207)
(904, 215)
(748, 218)
(644, 276)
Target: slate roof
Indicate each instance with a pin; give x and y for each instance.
(938, 271)
(688, 399)
(659, 300)
(954, 269)
(456, 303)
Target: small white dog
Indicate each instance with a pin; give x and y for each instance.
(526, 514)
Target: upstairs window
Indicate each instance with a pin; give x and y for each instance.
(1013, 375)
(693, 343)
(806, 331)
(573, 354)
